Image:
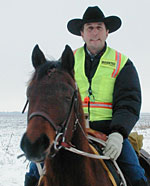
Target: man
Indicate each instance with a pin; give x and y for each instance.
(109, 87)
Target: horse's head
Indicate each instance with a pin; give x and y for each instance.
(52, 96)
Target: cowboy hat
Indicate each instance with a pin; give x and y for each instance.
(93, 14)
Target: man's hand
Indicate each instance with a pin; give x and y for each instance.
(113, 145)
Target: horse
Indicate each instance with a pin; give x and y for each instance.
(55, 122)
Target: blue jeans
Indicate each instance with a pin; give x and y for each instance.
(33, 171)
(127, 161)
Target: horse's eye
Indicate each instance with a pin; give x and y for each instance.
(68, 98)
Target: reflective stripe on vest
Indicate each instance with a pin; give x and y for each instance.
(102, 85)
(118, 59)
(98, 105)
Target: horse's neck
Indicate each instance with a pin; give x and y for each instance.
(69, 169)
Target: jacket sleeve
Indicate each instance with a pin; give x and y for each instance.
(126, 100)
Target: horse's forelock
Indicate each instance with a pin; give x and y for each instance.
(45, 68)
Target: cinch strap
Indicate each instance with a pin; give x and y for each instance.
(98, 105)
(118, 59)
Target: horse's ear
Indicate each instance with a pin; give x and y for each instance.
(67, 60)
(38, 57)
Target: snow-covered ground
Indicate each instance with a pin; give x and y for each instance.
(12, 127)
(12, 170)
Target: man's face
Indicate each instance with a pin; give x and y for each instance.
(94, 35)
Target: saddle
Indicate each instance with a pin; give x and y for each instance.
(96, 134)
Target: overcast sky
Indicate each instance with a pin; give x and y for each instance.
(24, 23)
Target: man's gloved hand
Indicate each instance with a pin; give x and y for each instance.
(113, 145)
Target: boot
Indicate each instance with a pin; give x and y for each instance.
(141, 183)
(30, 180)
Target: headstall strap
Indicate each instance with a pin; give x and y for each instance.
(46, 117)
(25, 106)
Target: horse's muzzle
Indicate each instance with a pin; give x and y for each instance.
(36, 151)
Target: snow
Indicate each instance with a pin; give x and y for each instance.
(12, 127)
(12, 170)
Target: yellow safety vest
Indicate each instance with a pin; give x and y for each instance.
(100, 103)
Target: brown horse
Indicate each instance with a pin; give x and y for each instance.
(55, 120)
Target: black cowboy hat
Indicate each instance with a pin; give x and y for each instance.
(93, 14)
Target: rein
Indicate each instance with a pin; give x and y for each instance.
(89, 155)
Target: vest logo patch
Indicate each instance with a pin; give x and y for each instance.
(109, 63)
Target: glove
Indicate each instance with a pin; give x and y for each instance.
(113, 145)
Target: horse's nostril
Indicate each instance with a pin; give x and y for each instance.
(44, 140)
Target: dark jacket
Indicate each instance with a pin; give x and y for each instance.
(126, 98)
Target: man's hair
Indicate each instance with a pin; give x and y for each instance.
(82, 27)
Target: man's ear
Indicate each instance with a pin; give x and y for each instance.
(81, 33)
(107, 32)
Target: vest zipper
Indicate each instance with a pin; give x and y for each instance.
(90, 96)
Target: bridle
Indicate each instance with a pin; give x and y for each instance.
(60, 130)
